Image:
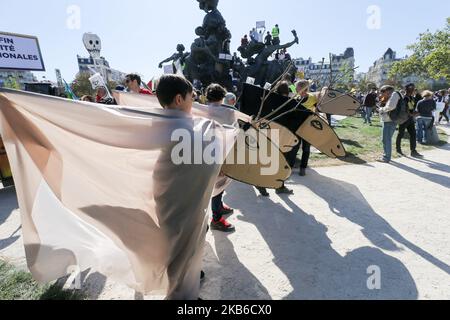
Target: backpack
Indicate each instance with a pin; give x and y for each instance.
(400, 114)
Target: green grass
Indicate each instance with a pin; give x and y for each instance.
(363, 143)
(19, 285)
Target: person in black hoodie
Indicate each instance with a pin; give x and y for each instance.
(370, 103)
(410, 125)
(444, 98)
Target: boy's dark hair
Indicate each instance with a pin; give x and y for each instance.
(287, 77)
(215, 93)
(132, 77)
(169, 86)
(387, 88)
(283, 88)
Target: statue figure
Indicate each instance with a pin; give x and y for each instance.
(210, 59)
(205, 62)
(177, 58)
(200, 65)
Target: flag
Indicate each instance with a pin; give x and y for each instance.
(69, 92)
(95, 192)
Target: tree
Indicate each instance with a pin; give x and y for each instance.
(112, 85)
(344, 78)
(81, 86)
(365, 86)
(430, 57)
(395, 82)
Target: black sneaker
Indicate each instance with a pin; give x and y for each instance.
(263, 192)
(415, 154)
(382, 160)
(222, 225)
(284, 190)
(400, 153)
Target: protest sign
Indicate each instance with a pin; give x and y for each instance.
(20, 52)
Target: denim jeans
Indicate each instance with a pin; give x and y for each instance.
(368, 114)
(422, 130)
(388, 134)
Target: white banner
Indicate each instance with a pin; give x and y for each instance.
(260, 25)
(20, 52)
(97, 81)
(168, 69)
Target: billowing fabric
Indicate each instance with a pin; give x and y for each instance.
(98, 189)
(223, 115)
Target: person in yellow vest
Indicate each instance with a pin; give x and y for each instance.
(276, 35)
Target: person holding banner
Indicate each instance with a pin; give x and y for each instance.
(103, 97)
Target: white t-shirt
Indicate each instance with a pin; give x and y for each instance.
(390, 106)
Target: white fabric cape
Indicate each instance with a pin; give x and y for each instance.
(97, 189)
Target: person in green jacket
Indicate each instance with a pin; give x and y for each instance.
(276, 35)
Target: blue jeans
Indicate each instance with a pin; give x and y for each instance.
(422, 127)
(388, 134)
(368, 114)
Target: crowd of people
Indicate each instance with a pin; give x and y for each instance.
(133, 83)
(420, 120)
(271, 38)
(175, 92)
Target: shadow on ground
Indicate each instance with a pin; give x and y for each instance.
(303, 251)
(377, 230)
(432, 177)
(8, 203)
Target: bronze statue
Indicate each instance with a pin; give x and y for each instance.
(209, 60)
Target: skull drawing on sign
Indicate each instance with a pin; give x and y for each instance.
(93, 44)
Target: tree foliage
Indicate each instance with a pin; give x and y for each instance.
(81, 86)
(12, 83)
(344, 78)
(430, 56)
(364, 85)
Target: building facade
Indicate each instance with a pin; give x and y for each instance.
(324, 71)
(87, 65)
(379, 72)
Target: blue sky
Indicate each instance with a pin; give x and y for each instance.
(137, 34)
